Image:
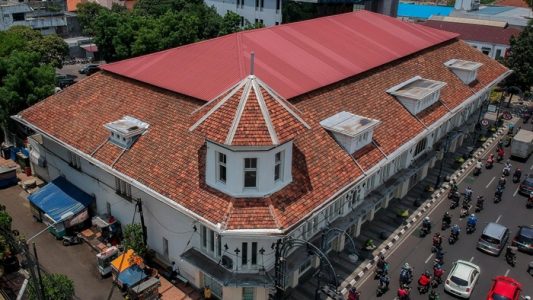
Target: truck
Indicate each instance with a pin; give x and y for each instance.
(522, 144)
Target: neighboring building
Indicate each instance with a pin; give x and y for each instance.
(514, 16)
(47, 17)
(72, 4)
(492, 40)
(514, 3)
(236, 142)
(269, 12)
(417, 12)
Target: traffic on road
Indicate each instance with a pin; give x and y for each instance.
(475, 244)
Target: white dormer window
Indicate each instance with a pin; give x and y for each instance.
(417, 93)
(351, 131)
(464, 69)
(126, 131)
(248, 172)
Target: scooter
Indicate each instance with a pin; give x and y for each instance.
(465, 211)
(477, 171)
(511, 259)
(470, 228)
(506, 171)
(529, 203)
(516, 177)
(489, 163)
(424, 230)
(479, 206)
(69, 240)
(445, 225)
(455, 203)
(453, 238)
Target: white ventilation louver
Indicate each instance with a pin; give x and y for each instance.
(124, 132)
(351, 131)
(464, 69)
(417, 93)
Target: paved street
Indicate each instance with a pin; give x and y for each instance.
(77, 262)
(511, 212)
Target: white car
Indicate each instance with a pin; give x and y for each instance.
(462, 279)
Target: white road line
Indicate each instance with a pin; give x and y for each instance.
(429, 257)
(515, 192)
(487, 186)
(471, 259)
(499, 217)
(531, 168)
(507, 272)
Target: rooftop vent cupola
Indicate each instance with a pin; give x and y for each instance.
(351, 131)
(417, 93)
(464, 69)
(126, 131)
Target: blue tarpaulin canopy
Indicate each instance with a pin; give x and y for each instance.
(131, 276)
(59, 197)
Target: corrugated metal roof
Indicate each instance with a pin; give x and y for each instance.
(501, 24)
(479, 33)
(292, 59)
(422, 11)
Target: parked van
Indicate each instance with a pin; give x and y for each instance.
(493, 239)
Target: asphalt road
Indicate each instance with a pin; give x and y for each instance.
(77, 262)
(510, 212)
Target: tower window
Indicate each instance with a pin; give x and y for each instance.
(250, 172)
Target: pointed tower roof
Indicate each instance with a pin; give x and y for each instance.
(249, 114)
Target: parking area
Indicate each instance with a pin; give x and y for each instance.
(77, 262)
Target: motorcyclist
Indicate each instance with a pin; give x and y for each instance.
(384, 281)
(501, 153)
(517, 174)
(472, 221)
(447, 218)
(464, 209)
(439, 257)
(433, 295)
(424, 281)
(406, 272)
(502, 181)
(510, 252)
(353, 294)
(480, 201)
(468, 193)
(507, 168)
(381, 265)
(437, 240)
(426, 224)
(403, 292)
(490, 160)
(455, 231)
(453, 186)
(438, 272)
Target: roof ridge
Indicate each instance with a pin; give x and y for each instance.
(238, 113)
(265, 113)
(273, 213)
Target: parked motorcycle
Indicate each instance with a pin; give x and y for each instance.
(69, 240)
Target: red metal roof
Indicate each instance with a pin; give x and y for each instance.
(292, 59)
(475, 32)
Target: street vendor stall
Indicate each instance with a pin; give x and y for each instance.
(130, 277)
(8, 176)
(124, 261)
(56, 199)
(109, 229)
(145, 290)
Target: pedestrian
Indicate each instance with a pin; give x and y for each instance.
(353, 294)
(207, 293)
(174, 273)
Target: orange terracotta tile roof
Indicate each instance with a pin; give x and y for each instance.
(514, 3)
(170, 159)
(250, 114)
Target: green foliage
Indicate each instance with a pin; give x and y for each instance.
(56, 286)
(298, 11)
(153, 25)
(27, 61)
(520, 59)
(133, 239)
(5, 220)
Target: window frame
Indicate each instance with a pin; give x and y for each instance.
(250, 170)
(221, 165)
(253, 259)
(244, 254)
(278, 166)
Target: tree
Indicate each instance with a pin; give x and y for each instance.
(520, 59)
(87, 12)
(133, 239)
(5, 220)
(56, 286)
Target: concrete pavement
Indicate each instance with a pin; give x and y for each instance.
(510, 212)
(77, 262)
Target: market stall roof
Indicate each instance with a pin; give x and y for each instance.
(60, 197)
(131, 276)
(120, 264)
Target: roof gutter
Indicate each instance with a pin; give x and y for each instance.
(122, 176)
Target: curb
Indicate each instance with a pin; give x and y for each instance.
(436, 196)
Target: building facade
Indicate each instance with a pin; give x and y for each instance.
(231, 153)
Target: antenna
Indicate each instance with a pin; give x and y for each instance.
(252, 58)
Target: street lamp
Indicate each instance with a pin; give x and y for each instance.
(63, 218)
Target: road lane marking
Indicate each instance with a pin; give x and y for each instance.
(429, 257)
(498, 220)
(487, 186)
(531, 168)
(471, 259)
(507, 272)
(516, 191)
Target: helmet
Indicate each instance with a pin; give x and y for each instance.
(381, 256)
(473, 216)
(427, 273)
(447, 213)
(407, 266)
(527, 298)
(426, 219)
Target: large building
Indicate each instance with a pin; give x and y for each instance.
(238, 142)
(490, 37)
(269, 12)
(47, 16)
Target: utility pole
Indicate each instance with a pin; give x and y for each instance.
(41, 285)
(145, 234)
(278, 272)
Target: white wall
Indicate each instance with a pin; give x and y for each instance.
(268, 13)
(492, 48)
